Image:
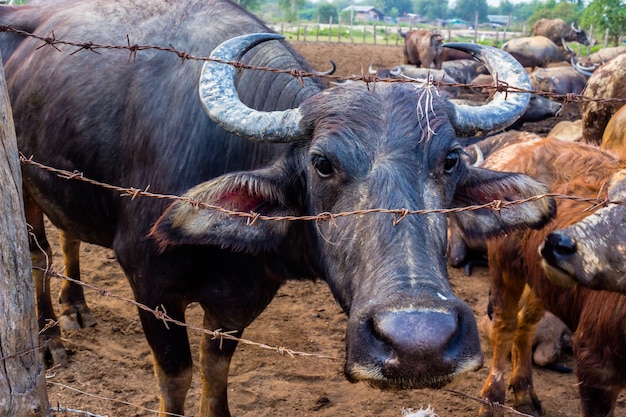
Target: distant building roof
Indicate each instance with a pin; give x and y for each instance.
(361, 8)
(371, 11)
(498, 18)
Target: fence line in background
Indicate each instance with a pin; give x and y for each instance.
(376, 33)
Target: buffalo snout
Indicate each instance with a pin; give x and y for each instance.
(414, 347)
(557, 245)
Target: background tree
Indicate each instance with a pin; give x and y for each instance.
(431, 9)
(606, 14)
(290, 8)
(467, 9)
(523, 11)
(325, 11)
(551, 9)
(251, 5)
(506, 8)
(402, 6)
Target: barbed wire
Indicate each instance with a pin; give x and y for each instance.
(160, 313)
(399, 214)
(133, 48)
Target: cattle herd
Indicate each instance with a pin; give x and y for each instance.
(267, 146)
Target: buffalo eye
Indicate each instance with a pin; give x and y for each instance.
(322, 166)
(452, 160)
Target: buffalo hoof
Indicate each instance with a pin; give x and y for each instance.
(477, 260)
(76, 316)
(528, 403)
(54, 354)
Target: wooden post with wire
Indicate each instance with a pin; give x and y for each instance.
(22, 373)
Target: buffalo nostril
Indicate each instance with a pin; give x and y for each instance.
(414, 347)
(415, 336)
(558, 245)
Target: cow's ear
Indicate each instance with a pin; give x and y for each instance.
(484, 186)
(264, 192)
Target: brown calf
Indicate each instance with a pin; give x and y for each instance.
(596, 318)
(423, 48)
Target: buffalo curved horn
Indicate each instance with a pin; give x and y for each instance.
(505, 108)
(221, 101)
(567, 47)
(480, 157)
(330, 71)
(396, 71)
(582, 69)
(577, 30)
(371, 69)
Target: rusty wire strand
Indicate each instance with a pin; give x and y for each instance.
(498, 409)
(133, 49)
(252, 217)
(160, 313)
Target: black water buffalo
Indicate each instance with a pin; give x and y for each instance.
(559, 80)
(557, 30)
(591, 252)
(463, 70)
(407, 71)
(535, 51)
(293, 149)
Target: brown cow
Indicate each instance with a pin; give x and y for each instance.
(597, 318)
(423, 48)
(614, 136)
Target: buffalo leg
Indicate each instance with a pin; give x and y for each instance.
(41, 258)
(521, 380)
(597, 401)
(171, 355)
(506, 292)
(599, 370)
(216, 353)
(74, 313)
(215, 356)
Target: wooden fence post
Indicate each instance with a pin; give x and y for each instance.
(22, 374)
(339, 30)
(374, 33)
(330, 27)
(317, 35)
(386, 35)
(398, 33)
(351, 32)
(298, 30)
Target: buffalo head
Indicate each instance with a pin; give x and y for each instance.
(366, 149)
(591, 252)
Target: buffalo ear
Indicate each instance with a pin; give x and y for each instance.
(262, 192)
(484, 186)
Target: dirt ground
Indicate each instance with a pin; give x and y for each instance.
(110, 369)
